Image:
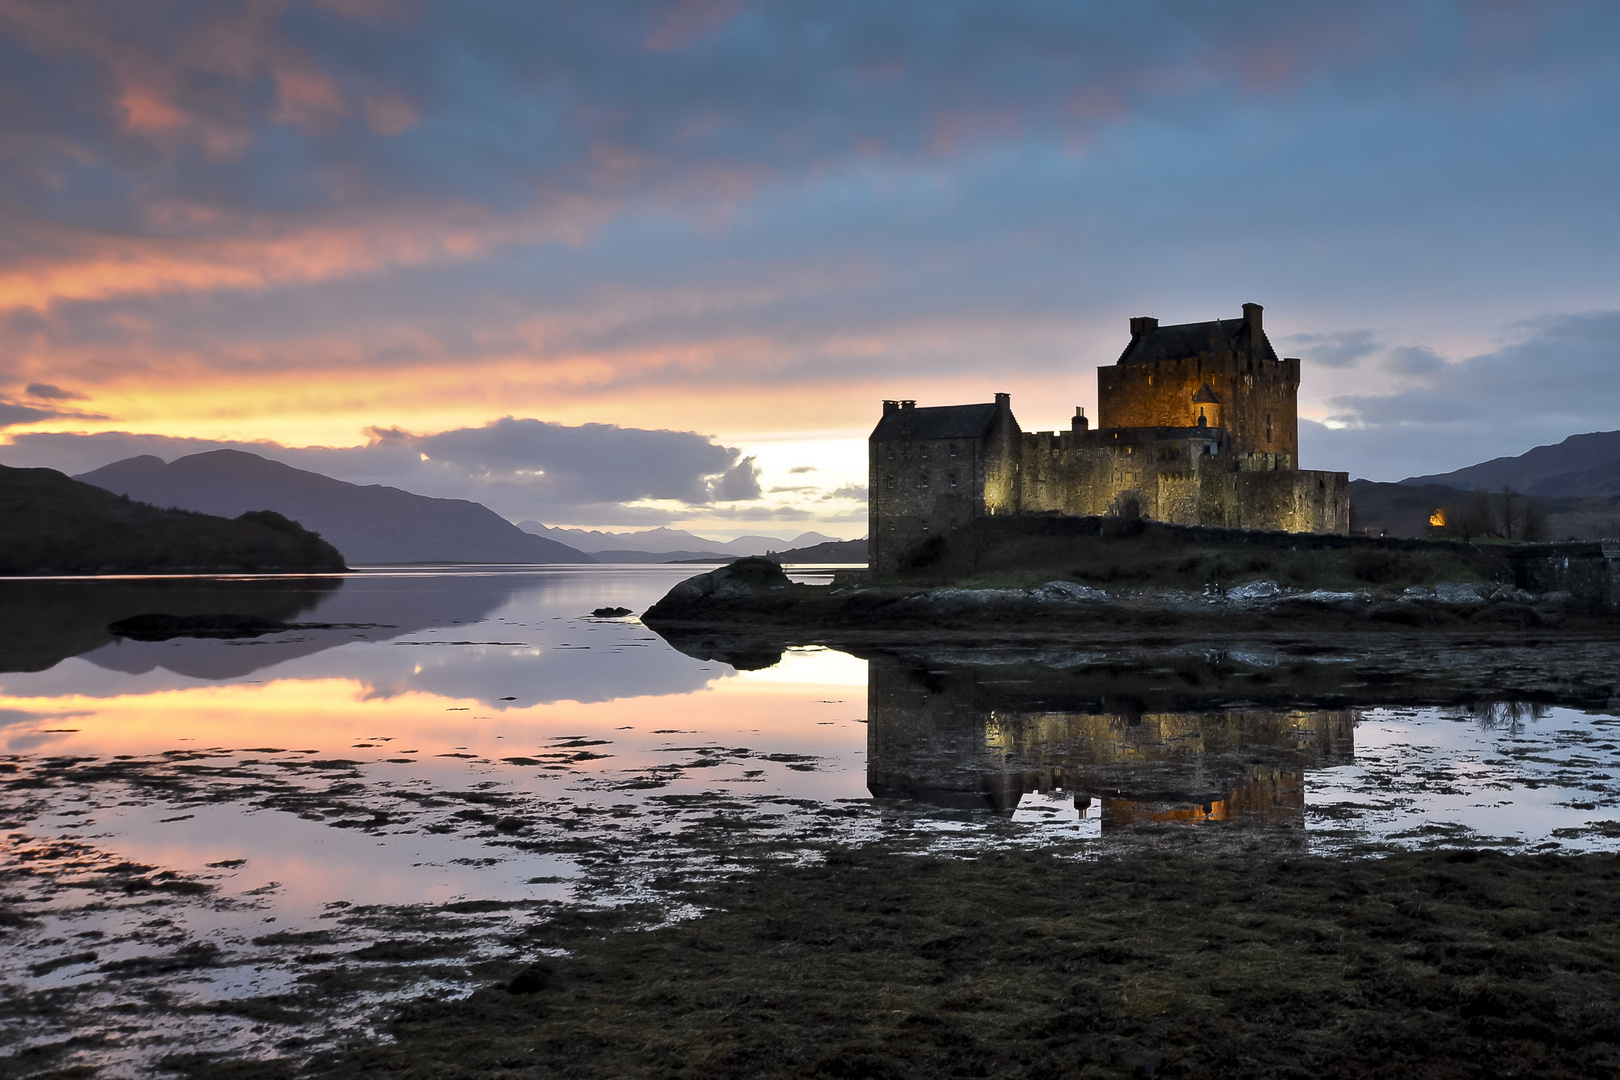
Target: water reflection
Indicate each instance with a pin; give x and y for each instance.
(43, 622)
(482, 748)
(504, 637)
(982, 736)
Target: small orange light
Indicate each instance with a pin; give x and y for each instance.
(1438, 518)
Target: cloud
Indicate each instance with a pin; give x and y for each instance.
(1335, 350)
(523, 468)
(12, 415)
(1413, 360)
(740, 483)
(1561, 378)
(53, 393)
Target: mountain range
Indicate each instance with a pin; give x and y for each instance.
(368, 524)
(1581, 465)
(668, 543)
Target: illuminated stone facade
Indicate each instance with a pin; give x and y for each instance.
(1197, 426)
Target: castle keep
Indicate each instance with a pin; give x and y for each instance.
(1197, 425)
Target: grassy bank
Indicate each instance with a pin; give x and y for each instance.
(1109, 554)
(1432, 964)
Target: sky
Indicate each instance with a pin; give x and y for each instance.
(624, 264)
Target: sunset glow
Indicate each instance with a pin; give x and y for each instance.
(292, 225)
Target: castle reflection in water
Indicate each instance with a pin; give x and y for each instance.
(981, 736)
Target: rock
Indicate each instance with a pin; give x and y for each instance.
(1067, 592)
(1329, 598)
(750, 578)
(1462, 592)
(1255, 590)
(610, 612)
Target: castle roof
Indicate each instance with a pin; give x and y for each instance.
(1205, 396)
(1185, 341)
(939, 422)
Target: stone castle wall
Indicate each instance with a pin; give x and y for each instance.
(1177, 475)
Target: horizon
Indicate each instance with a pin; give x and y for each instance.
(660, 265)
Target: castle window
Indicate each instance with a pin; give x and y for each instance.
(891, 453)
(953, 479)
(924, 480)
(923, 451)
(953, 449)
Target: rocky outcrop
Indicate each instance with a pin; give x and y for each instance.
(754, 583)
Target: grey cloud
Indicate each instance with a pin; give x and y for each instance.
(858, 492)
(1562, 378)
(802, 469)
(11, 414)
(739, 483)
(53, 393)
(522, 468)
(1418, 360)
(1336, 350)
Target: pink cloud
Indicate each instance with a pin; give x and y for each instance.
(686, 22)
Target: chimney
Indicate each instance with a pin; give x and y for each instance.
(1143, 324)
(890, 407)
(908, 405)
(1004, 402)
(1080, 423)
(1251, 315)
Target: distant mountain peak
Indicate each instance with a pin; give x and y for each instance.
(369, 524)
(1587, 464)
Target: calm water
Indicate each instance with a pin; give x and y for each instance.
(190, 822)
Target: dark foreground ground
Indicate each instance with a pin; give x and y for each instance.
(1160, 963)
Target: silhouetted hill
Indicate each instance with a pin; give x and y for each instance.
(833, 551)
(369, 524)
(1580, 465)
(50, 524)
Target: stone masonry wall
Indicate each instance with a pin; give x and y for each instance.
(1258, 398)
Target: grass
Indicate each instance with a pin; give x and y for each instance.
(1106, 563)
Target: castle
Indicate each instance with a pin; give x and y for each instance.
(1197, 425)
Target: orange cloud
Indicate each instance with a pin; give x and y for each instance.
(263, 252)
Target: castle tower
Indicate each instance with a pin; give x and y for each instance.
(1163, 373)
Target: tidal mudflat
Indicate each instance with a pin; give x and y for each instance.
(450, 812)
